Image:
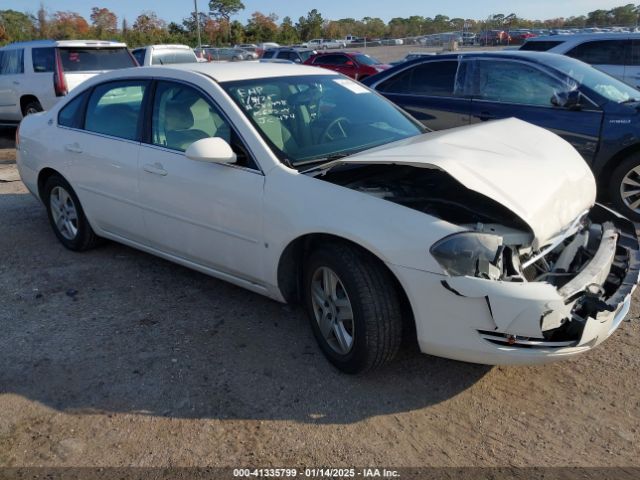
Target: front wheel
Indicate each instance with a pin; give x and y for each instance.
(624, 187)
(66, 215)
(354, 308)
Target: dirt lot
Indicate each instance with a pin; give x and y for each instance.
(115, 358)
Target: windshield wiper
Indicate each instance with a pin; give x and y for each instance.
(327, 159)
(630, 100)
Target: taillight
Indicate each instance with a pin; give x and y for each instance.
(59, 80)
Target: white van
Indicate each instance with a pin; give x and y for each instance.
(34, 75)
(164, 55)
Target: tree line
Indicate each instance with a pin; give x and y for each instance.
(218, 27)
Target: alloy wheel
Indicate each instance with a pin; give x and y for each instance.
(332, 310)
(630, 189)
(64, 212)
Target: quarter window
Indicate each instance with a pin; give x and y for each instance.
(71, 114)
(43, 59)
(435, 79)
(602, 52)
(513, 82)
(12, 62)
(114, 109)
(635, 53)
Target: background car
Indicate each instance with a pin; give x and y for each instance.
(164, 55)
(34, 75)
(352, 64)
(216, 167)
(227, 54)
(596, 113)
(324, 44)
(493, 38)
(254, 51)
(617, 54)
(294, 54)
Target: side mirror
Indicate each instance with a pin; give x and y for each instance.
(569, 100)
(212, 150)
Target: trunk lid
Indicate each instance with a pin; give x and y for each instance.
(531, 171)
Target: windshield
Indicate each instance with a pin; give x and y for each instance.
(605, 85)
(366, 60)
(316, 118)
(86, 59)
(305, 54)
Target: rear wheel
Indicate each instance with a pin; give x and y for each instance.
(31, 107)
(66, 216)
(624, 187)
(353, 307)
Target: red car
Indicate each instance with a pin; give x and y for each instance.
(353, 64)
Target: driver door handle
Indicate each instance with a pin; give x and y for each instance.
(155, 169)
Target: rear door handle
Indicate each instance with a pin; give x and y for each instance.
(155, 169)
(73, 147)
(15, 82)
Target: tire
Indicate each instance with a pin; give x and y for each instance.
(616, 187)
(33, 106)
(375, 327)
(74, 233)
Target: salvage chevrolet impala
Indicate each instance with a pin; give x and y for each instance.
(302, 185)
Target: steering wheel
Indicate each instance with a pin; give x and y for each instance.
(339, 122)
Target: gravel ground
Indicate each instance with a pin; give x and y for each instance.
(116, 358)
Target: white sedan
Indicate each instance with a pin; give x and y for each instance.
(302, 185)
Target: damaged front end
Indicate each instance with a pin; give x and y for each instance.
(575, 290)
(572, 290)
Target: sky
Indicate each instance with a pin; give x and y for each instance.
(176, 10)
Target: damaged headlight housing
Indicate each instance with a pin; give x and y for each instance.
(470, 253)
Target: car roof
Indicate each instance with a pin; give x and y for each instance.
(170, 47)
(515, 54)
(66, 43)
(231, 72)
(581, 37)
(295, 49)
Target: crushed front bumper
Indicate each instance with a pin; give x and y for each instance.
(493, 322)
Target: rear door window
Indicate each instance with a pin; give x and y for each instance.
(331, 60)
(43, 59)
(435, 79)
(114, 109)
(602, 52)
(95, 59)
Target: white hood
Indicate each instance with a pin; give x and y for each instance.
(531, 171)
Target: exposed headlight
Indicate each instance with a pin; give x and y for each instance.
(470, 253)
